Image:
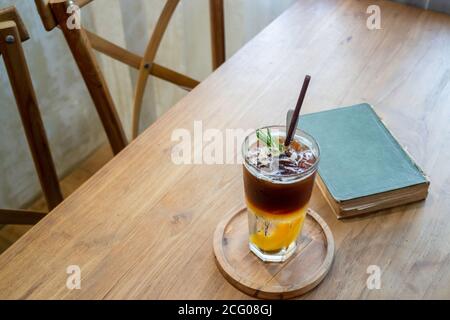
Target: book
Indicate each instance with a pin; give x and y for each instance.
(363, 168)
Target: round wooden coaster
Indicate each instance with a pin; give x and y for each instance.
(301, 273)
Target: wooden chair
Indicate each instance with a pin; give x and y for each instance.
(82, 42)
(12, 34)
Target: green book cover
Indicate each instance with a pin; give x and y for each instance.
(359, 156)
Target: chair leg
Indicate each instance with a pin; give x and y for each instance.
(22, 87)
(82, 51)
(216, 8)
(20, 217)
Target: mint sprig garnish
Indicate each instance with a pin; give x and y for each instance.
(269, 140)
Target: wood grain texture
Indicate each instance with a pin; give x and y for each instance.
(142, 227)
(27, 105)
(300, 274)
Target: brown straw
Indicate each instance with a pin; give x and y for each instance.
(296, 114)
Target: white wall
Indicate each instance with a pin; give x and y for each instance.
(70, 119)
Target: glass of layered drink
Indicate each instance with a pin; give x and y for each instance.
(278, 183)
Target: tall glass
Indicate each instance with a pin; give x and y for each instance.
(277, 202)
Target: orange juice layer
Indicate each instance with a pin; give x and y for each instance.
(286, 229)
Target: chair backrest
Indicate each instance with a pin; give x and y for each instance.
(82, 42)
(10, 15)
(12, 33)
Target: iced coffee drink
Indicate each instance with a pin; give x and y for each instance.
(278, 182)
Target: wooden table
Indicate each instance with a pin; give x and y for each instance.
(142, 227)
